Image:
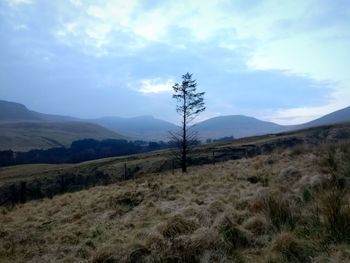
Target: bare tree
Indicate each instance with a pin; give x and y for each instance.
(189, 105)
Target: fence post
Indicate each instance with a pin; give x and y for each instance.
(213, 158)
(62, 183)
(23, 192)
(172, 166)
(125, 171)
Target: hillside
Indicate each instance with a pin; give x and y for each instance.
(342, 115)
(16, 112)
(140, 128)
(111, 170)
(237, 126)
(24, 136)
(11, 111)
(269, 208)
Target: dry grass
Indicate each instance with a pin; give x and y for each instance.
(215, 213)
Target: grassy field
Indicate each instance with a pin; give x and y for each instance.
(27, 182)
(291, 205)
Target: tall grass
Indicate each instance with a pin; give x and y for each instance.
(335, 210)
(280, 212)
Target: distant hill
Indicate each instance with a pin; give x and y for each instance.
(338, 116)
(237, 126)
(24, 136)
(141, 128)
(15, 112)
(11, 111)
(149, 128)
(242, 126)
(137, 128)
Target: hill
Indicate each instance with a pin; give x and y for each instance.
(342, 115)
(11, 111)
(24, 136)
(16, 112)
(149, 128)
(141, 128)
(273, 206)
(237, 126)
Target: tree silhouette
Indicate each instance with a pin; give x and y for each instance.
(189, 105)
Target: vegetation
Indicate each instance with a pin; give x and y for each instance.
(288, 204)
(80, 151)
(190, 104)
(215, 214)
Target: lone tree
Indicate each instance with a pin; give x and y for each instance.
(189, 105)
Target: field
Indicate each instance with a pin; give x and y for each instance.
(290, 204)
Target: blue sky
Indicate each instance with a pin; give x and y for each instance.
(282, 61)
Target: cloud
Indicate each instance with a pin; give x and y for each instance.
(14, 3)
(155, 86)
(262, 58)
(301, 114)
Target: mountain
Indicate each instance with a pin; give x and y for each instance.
(16, 112)
(11, 111)
(342, 115)
(151, 129)
(141, 128)
(22, 129)
(24, 136)
(235, 125)
(138, 128)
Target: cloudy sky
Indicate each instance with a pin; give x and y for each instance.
(283, 61)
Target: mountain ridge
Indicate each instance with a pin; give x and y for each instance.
(149, 128)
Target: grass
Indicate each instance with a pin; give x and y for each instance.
(280, 212)
(215, 213)
(335, 210)
(286, 247)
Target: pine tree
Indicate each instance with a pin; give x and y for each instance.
(189, 105)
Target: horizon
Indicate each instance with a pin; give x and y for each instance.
(121, 58)
(196, 121)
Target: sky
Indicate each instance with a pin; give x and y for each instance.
(282, 61)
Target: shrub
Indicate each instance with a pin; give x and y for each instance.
(279, 212)
(232, 235)
(287, 248)
(335, 211)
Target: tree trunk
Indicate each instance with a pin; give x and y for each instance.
(184, 139)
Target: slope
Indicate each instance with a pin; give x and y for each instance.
(342, 115)
(11, 111)
(24, 136)
(268, 208)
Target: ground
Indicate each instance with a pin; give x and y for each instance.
(270, 208)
